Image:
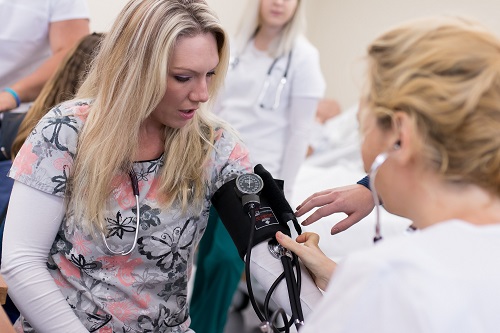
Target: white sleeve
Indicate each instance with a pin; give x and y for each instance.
(33, 219)
(302, 115)
(266, 269)
(62, 10)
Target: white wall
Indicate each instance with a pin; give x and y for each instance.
(103, 12)
(341, 29)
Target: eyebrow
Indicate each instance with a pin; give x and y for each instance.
(190, 70)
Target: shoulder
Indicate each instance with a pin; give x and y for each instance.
(61, 10)
(305, 69)
(229, 147)
(428, 251)
(225, 138)
(303, 49)
(63, 123)
(74, 109)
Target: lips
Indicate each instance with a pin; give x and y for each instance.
(187, 114)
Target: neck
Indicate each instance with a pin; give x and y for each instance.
(439, 201)
(151, 141)
(264, 37)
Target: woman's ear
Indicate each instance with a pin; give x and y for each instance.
(403, 137)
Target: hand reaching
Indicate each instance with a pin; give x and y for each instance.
(354, 200)
(319, 265)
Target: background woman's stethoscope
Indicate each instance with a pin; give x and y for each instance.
(279, 89)
(135, 190)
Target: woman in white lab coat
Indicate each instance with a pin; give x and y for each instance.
(430, 119)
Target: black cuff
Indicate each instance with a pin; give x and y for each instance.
(365, 182)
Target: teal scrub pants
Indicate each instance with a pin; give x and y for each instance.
(218, 272)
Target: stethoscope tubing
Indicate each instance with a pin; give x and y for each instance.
(267, 82)
(379, 160)
(135, 190)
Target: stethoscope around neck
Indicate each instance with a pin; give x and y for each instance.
(135, 190)
(267, 82)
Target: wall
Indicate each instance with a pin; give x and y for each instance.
(341, 29)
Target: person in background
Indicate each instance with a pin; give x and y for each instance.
(271, 96)
(429, 118)
(118, 180)
(35, 36)
(61, 86)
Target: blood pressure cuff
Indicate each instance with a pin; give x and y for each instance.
(238, 223)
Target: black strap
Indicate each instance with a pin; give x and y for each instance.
(4, 214)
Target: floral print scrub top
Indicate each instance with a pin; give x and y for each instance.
(145, 291)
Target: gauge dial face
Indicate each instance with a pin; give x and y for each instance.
(249, 183)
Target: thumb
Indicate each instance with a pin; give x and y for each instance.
(288, 243)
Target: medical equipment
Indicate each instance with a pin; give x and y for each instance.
(379, 160)
(263, 96)
(135, 190)
(253, 208)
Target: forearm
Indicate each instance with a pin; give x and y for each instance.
(28, 237)
(63, 36)
(30, 86)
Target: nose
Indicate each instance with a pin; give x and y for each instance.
(200, 91)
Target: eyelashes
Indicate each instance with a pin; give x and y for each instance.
(183, 78)
(180, 78)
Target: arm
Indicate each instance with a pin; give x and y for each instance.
(354, 200)
(302, 113)
(63, 35)
(263, 266)
(28, 237)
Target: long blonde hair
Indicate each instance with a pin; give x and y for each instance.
(126, 83)
(444, 73)
(250, 23)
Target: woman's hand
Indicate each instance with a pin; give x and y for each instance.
(306, 248)
(354, 200)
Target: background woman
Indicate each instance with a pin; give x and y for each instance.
(274, 120)
(118, 181)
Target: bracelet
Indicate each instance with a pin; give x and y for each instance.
(14, 94)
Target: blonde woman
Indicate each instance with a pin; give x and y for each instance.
(112, 188)
(430, 121)
(270, 96)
